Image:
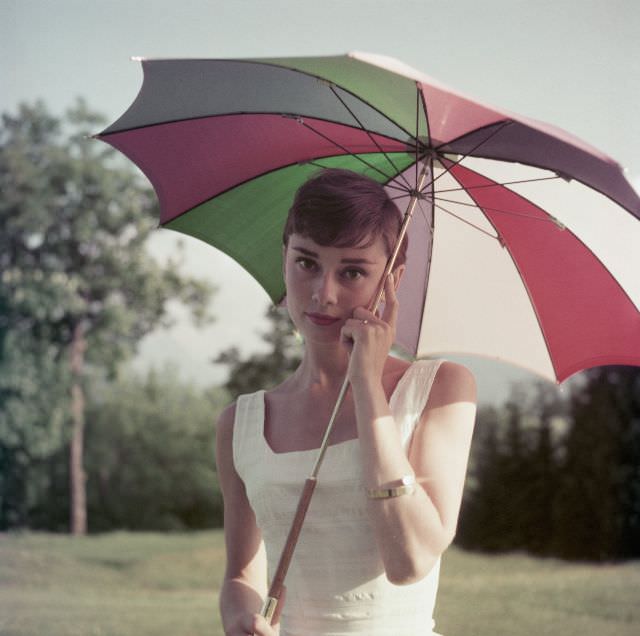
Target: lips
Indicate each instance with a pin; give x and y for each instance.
(322, 319)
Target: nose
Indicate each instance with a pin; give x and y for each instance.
(325, 292)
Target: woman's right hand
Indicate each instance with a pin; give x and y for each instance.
(259, 624)
(254, 625)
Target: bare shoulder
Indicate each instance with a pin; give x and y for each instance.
(224, 426)
(453, 383)
(229, 479)
(449, 417)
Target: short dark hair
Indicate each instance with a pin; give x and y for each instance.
(341, 208)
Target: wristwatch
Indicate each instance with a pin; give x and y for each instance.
(407, 488)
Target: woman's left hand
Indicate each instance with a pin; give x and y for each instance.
(370, 337)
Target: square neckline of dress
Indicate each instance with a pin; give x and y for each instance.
(345, 442)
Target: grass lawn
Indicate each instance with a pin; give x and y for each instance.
(125, 584)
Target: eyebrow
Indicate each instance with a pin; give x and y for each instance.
(351, 261)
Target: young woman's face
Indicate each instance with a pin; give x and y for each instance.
(325, 284)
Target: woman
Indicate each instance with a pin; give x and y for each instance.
(389, 491)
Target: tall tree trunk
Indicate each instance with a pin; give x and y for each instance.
(76, 468)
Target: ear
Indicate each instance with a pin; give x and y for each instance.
(398, 273)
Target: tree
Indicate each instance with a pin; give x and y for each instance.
(75, 271)
(264, 370)
(484, 521)
(600, 493)
(559, 477)
(33, 425)
(514, 478)
(150, 454)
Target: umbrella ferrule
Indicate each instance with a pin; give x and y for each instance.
(269, 608)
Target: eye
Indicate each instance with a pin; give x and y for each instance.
(353, 273)
(306, 264)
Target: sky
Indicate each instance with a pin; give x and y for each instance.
(573, 64)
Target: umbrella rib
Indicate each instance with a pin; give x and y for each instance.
(425, 219)
(503, 183)
(551, 219)
(425, 216)
(394, 186)
(326, 80)
(417, 128)
(368, 132)
(345, 150)
(463, 157)
(459, 218)
(429, 221)
(389, 184)
(399, 196)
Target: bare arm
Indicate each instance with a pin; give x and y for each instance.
(412, 531)
(244, 583)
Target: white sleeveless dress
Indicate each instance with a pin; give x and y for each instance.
(336, 583)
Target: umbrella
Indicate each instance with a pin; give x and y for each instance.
(524, 242)
(524, 248)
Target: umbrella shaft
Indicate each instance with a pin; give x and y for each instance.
(277, 585)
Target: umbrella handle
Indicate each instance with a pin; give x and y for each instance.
(277, 584)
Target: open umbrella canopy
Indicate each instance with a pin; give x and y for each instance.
(525, 243)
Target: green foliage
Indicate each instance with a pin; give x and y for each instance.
(559, 477)
(264, 370)
(72, 261)
(33, 425)
(150, 455)
(600, 492)
(73, 242)
(149, 459)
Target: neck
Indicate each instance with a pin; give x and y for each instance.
(323, 368)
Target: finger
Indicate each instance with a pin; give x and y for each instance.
(352, 327)
(390, 313)
(362, 313)
(346, 334)
(355, 329)
(260, 626)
